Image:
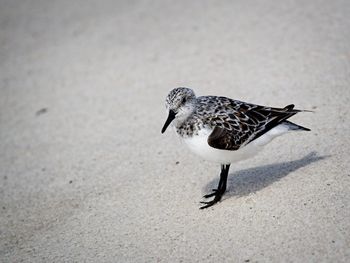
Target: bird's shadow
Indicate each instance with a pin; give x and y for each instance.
(245, 182)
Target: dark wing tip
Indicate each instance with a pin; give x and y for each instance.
(295, 127)
(289, 107)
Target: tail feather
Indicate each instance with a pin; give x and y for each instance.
(289, 107)
(295, 127)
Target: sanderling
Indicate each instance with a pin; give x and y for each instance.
(224, 130)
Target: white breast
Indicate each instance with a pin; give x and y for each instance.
(199, 145)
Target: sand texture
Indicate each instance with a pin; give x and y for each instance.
(86, 175)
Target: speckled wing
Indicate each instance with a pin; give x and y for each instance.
(237, 123)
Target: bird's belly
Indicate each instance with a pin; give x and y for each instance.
(199, 145)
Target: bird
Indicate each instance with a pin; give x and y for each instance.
(224, 130)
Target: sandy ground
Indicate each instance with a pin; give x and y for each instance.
(86, 175)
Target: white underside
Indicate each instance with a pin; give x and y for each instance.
(199, 145)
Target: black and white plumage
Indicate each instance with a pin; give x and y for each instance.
(224, 130)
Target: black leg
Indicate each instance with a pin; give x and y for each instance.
(224, 180)
(220, 183)
(218, 193)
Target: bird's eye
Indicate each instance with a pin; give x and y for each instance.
(183, 100)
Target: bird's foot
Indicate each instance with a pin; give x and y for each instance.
(216, 199)
(208, 204)
(212, 194)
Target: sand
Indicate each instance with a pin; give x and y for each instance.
(86, 175)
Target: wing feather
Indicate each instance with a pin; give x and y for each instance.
(237, 123)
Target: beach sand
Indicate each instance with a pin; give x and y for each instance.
(86, 175)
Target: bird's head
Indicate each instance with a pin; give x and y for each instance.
(180, 103)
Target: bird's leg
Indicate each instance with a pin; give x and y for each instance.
(218, 193)
(224, 181)
(220, 183)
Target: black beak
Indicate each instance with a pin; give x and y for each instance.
(170, 118)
